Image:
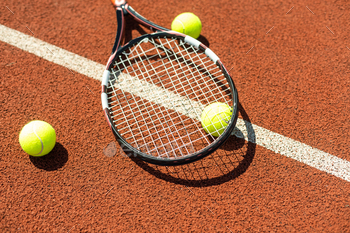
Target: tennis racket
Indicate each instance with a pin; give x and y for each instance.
(155, 88)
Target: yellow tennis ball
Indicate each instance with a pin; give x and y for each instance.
(37, 138)
(215, 118)
(187, 23)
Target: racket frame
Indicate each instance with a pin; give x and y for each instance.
(123, 8)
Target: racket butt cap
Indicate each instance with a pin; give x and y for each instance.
(118, 2)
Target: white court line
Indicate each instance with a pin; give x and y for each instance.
(273, 141)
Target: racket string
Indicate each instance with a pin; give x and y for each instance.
(127, 122)
(128, 126)
(169, 127)
(145, 144)
(172, 61)
(208, 73)
(193, 62)
(181, 83)
(194, 77)
(148, 129)
(204, 93)
(160, 101)
(177, 130)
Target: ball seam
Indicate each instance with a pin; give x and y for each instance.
(42, 144)
(183, 26)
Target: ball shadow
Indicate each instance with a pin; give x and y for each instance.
(230, 161)
(54, 160)
(203, 40)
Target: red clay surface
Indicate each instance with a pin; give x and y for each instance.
(294, 81)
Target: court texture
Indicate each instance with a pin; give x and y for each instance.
(286, 169)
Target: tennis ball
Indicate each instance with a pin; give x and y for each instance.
(187, 23)
(215, 118)
(37, 138)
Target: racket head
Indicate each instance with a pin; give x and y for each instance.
(153, 92)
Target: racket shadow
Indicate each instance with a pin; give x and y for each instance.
(131, 24)
(229, 162)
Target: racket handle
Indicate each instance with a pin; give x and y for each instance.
(120, 29)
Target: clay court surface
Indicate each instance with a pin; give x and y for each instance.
(290, 62)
